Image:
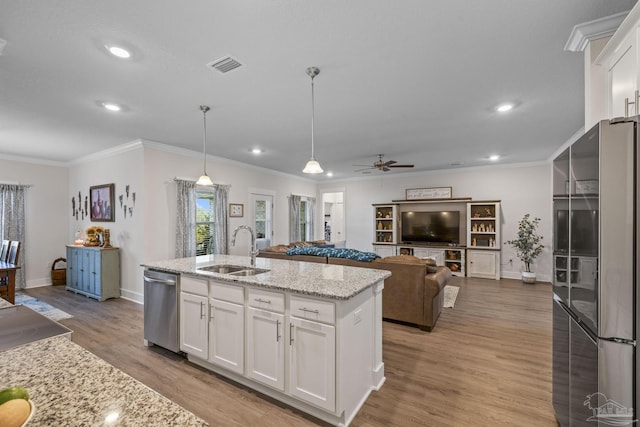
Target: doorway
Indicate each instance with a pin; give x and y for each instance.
(333, 217)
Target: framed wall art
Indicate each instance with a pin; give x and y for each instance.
(101, 202)
(236, 210)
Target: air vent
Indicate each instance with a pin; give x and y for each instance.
(224, 65)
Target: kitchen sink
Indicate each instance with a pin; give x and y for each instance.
(249, 272)
(236, 270)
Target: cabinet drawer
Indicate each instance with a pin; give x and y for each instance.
(230, 293)
(266, 300)
(194, 286)
(305, 308)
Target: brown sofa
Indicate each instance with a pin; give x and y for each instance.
(412, 294)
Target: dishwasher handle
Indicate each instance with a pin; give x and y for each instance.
(160, 281)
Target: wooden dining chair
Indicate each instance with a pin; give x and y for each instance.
(14, 252)
(5, 250)
(12, 257)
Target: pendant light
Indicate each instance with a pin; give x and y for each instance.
(312, 165)
(204, 179)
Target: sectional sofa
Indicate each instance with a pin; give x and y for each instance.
(414, 293)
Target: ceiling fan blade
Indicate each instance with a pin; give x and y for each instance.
(385, 169)
(365, 169)
(389, 163)
(400, 166)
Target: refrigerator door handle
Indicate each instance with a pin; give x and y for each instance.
(618, 340)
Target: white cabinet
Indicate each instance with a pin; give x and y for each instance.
(193, 324)
(242, 332)
(312, 342)
(620, 61)
(226, 335)
(483, 263)
(266, 338)
(384, 250)
(226, 326)
(483, 239)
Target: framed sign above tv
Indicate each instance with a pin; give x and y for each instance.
(433, 193)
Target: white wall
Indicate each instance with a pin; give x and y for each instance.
(521, 189)
(121, 166)
(47, 211)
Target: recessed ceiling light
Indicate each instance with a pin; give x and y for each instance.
(494, 157)
(329, 174)
(111, 106)
(256, 151)
(503, 108)
(118, 51)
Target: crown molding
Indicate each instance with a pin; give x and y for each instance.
(600, 28)
(33, 160)
(109, 152)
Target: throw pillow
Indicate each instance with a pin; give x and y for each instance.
(432, 269)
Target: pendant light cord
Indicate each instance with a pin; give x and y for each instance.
(204, 109)
(313, 114)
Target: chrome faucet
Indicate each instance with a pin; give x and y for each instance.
(253, 250)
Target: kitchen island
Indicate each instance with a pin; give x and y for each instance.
(307, 334)
(69, 386)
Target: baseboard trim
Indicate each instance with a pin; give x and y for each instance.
(132, 296)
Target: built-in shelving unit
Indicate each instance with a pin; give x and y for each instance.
(483, 239)
(385, 225)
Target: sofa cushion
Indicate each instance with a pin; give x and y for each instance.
(412, 259)
(334, 253)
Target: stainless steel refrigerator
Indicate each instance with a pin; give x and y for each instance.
(595, 254)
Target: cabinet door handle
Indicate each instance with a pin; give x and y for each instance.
(290, 333)
(277, 331)
(211, 312)
(266, 301)
(201, 311)
(308, 310)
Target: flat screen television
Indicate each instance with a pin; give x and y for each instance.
(430, 227)
(584, 232)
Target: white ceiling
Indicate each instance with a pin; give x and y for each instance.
(416, 80)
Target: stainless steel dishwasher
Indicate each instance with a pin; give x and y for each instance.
(161, 310)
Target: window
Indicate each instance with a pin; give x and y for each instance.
(205, 230)
(262, 225)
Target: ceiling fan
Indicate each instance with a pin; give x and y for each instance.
(382, 165)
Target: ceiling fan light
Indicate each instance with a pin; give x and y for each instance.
(204, 180)
(312, 167)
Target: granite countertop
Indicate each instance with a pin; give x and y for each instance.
(70, 386)
(308, 278)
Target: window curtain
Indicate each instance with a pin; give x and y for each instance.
(186, 219)
(12, 219)
(221, 241)
(294, 218)
(311, 225)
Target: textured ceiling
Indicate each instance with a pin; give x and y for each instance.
(415, 80)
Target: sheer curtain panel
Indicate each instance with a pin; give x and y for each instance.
(12, 220)
(221, 244)
(294, 218)
(185, 219)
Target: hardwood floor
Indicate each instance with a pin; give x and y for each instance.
(487, 363)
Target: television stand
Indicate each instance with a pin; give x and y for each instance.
(453, 257)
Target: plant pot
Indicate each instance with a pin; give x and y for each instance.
(528, 277)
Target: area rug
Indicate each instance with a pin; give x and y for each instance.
(41, 307)
(450, 295)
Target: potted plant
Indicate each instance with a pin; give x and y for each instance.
(527, 245)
